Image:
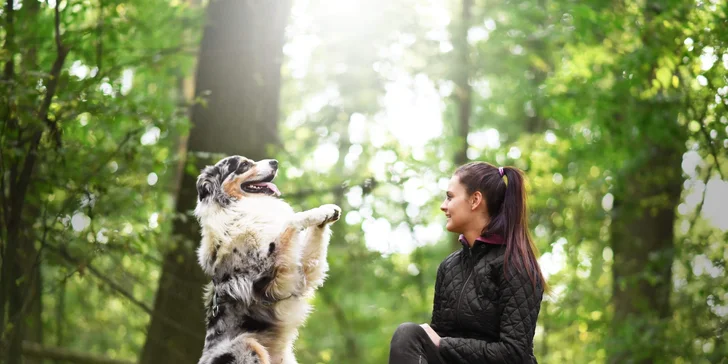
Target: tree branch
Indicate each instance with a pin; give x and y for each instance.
(99, 35)
(702, 202)
(95, 272)
(150, 54)
(116, 287)
(126, 248)
(9, 68)
(701, 121)
(367, 185)
(713, 151)
(57, 21)
(72, 195)
(29, 163)
(53, 83)
(36, 350)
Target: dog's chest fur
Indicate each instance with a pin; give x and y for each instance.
(250, 224)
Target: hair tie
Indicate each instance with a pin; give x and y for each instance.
(503, 176)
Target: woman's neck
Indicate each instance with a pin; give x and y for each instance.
(477, 228)
(472, 235)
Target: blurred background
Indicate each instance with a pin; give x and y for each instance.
(616, 111)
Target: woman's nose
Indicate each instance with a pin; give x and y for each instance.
(443, 207)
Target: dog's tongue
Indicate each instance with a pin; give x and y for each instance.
(270, 186)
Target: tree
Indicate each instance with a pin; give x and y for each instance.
(462, 78)
(636, 106)
(19, 285)
(642, 237)
(62, 72)
(238, 76)
(616, 110)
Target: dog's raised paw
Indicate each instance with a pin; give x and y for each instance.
(333, 213)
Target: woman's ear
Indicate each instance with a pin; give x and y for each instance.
(476, 199)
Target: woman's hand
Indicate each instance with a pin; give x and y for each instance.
(432, 334)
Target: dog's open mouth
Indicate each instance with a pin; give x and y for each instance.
(265, 187)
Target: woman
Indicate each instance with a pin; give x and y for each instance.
(488, 294)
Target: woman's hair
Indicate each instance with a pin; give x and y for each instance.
(505, 196)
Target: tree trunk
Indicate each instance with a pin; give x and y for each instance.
(60, 318)
(642, 239)
(32, 289)
(9, 247)
(34, 333)
(352, 353)
(646, 195)
(240, 62)
(463, 91)
(535, 122)
(21, 275)
(238, 73)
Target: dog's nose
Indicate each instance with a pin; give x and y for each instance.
(274, 163)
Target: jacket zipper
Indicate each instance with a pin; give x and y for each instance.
(460, 298)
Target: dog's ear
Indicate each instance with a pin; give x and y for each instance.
(208, 182)
(228, 166)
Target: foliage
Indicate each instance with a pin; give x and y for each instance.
(106, 161)
(368, 117)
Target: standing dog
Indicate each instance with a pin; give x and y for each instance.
(264, 259)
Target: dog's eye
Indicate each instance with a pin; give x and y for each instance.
(245, 164)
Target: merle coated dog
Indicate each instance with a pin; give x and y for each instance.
(265, 261)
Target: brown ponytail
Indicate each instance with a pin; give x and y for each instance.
(505, 196)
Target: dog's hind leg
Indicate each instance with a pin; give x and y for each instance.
(243, 349)
(250, 352)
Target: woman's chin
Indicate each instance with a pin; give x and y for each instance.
(449, 227)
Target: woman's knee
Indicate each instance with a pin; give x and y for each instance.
(407, 331)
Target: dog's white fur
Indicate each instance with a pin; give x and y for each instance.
(254, 224)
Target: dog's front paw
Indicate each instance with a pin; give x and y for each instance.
(331, 213)
(319, 216)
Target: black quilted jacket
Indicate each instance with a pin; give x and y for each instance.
(481, 316)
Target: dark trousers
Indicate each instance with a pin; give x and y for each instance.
(411, 345)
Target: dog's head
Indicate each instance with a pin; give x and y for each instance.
(237, 177)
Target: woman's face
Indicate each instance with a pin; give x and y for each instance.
(457, 207)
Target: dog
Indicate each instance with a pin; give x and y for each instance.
(265, 261)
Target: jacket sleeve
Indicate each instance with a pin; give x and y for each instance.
(437, 301)
(520, 304)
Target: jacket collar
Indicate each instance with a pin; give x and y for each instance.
(494, 239)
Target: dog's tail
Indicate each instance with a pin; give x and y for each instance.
(241, 350)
